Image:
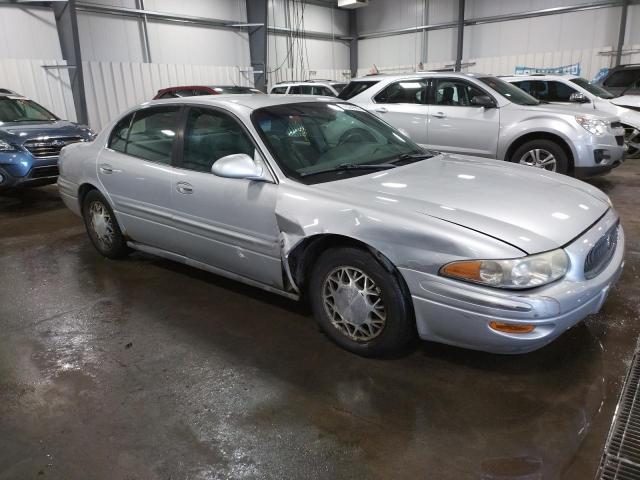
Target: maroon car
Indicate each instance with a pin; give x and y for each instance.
(193, 90)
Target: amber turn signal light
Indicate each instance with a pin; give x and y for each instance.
(469, 270)
(512, 328)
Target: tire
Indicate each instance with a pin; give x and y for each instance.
(342, 275)
(107, 237)
(526, 155)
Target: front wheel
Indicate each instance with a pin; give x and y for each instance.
(544, 154)
(102, 227)
(359, 304)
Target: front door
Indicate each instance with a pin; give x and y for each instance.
(403, 105)
(226, 223)
(135, 170)
(456, 126)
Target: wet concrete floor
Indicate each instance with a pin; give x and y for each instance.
(144, 369)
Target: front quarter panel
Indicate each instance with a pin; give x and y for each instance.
(409, 240)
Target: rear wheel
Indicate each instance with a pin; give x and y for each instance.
(359, 304)
(102, 227)
(544, 154)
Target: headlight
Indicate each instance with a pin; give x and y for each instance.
(5, 147)
(526, 272)
(595, 126)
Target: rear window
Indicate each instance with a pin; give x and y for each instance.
(355, 88)
(622, 78)
(279, 90)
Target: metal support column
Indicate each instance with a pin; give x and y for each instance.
(460, 43)
(353, 43)
(622, 31)
(257, 14)
(67, 25)
(144, 31)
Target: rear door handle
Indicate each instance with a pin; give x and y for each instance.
(184, 188)
(381, 110)
(438, 115)
(106, 168)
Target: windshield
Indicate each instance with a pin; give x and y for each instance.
(305, 138)
(355, 88)
(13, 110)
(509, 91)
(593, 89)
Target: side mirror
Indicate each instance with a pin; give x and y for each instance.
(483, 101)
(241, 165)
(578, 97)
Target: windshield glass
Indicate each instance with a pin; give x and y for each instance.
(13, 110)
(311, 137)
(593, 89)
(509, 91)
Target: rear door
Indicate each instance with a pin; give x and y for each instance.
(403, 105)
(227, 223)
(454, 125)
(135, 170)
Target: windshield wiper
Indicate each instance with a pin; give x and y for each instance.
(414, 157)
(351, 166)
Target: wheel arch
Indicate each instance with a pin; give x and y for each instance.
(303, 256)
(541, 135)
(83, 190)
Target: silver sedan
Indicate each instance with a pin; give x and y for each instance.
(316, 198)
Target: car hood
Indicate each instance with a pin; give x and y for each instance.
(528, 208)
(566, 110)
(627, 101)
(20, 132)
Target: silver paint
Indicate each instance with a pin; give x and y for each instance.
(415, 218)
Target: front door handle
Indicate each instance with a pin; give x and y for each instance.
(106, 168)
(184, 188)
(381, 110)
(438, 115)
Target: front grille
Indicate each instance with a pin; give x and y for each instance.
(42, 172)
(600, 254)
(621, 458)
(49, 147)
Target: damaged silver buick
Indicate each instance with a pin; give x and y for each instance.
(316, 198)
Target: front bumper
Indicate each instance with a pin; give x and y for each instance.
(456, 313)
(22, 170)
(598, 158)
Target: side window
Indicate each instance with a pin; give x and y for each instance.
(560, 92)
(279, 90)
(406, 91)
(184, 93)
(326, 92)
(622, 78)
(455, 93)
(306, 89)
(119, 134)
(152, 134)
(294, 90)
(168, 95)
(210, 135)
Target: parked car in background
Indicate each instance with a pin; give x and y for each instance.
(321, 199)
(578, 92)
(194, 90)
(31, 138)
(327, 88)
(622, 80)
(483, 115)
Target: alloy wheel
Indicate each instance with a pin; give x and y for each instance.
(632, 141)
(539, 158)
(354, 304)
(102, 225)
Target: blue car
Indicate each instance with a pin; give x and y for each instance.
(31, 138)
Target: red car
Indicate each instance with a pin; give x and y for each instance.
(190, 91)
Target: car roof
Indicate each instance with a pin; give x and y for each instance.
(252, 102)
(399, 76)
(539, 76)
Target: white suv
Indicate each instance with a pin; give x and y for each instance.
(578, 92)
(310, 87)
(482, 115)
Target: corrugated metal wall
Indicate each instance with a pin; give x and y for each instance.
(48, 86)
(113, 87)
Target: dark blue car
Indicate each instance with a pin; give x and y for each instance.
(31, 138)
